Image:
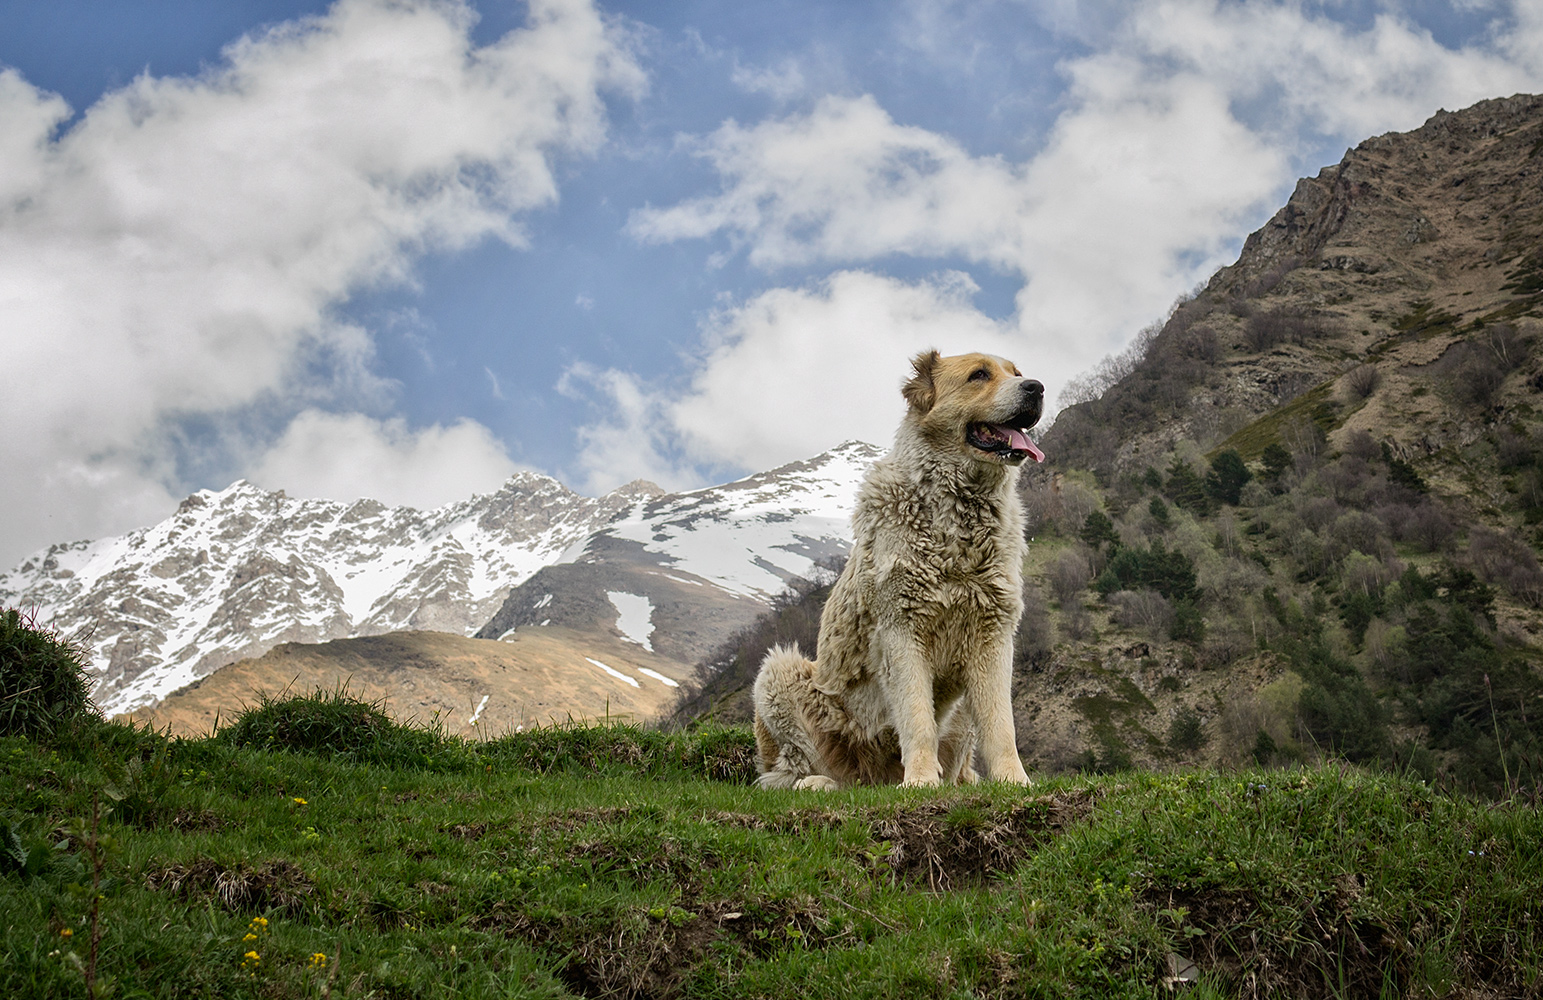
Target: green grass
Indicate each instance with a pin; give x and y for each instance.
(628, 863)
(42, 682)
(1316, 404)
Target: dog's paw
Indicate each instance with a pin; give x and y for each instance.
(818, 782)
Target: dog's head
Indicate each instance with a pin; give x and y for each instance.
(976, 403)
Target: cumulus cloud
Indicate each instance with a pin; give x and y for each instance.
(180, 251)
(1184, 126)
(347, 456)
(786, 375)
(1149, 183)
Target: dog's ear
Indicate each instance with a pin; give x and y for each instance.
(919, 390)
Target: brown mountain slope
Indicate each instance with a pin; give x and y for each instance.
(538, 676)
(1414, 243)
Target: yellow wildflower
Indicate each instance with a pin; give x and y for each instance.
(66, 932)
(299, 801)
(318, 960)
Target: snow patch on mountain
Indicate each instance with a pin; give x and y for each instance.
(752, 536)
(614, 672)
(634, 617)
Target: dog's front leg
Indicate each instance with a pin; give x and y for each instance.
(990, 699)
(907, 681)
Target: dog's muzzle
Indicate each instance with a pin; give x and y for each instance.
(1009, 439)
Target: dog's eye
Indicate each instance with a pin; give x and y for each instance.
(979, 375)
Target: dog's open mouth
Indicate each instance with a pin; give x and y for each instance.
(1009, 443)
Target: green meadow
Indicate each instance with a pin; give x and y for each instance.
(314, 848)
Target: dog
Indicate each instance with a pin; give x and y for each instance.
(914, 664)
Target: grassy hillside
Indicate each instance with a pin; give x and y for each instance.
(318, 849)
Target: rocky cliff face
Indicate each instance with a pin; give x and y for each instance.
(234, 573)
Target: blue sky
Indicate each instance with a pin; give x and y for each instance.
(404, 249)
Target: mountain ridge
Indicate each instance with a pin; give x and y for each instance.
(235, 572)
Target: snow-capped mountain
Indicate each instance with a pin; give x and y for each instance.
(691, 568)
(232, 574)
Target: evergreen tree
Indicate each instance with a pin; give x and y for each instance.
(1187, 489)
(1097, 529)
(1224, 483)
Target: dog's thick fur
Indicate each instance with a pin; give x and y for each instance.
(915, 648)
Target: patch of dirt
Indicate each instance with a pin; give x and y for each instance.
(573, 819)
(792, 821)
(656, 957)
(273, 885)
(205, 821)
(1331, 952)
(948, 843)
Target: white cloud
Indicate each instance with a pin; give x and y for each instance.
(781, 82)
(181, 249)
(1319, 75)
(347, 456)
(786, 375)
(1183, 128)
(632, 439)
(1148, 178)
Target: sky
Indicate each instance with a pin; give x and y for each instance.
(406, 248)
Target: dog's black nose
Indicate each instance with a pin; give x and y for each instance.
(1033, 387)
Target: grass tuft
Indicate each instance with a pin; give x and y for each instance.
(336, 724)
(43, 684)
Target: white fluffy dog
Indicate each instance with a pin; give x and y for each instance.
(915, 650)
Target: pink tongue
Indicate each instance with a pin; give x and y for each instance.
(1019, 441)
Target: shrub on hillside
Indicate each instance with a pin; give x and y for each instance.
(1265, 330)
(1514, 448)
(1275, 459)
(1186, 732)
(1502, 559)
(1479, 378)
(1426, 526)
(1363, 380)
(1098, 530)
(1186, 489)
(1188, 624)
(1142, 609)
(1069, 575)
(43, 683)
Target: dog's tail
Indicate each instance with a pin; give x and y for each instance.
(783, 748)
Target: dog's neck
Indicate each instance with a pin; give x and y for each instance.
(959, 473)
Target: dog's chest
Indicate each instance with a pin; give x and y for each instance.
(951, 561)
